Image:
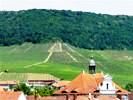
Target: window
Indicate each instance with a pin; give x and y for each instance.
(107, 86)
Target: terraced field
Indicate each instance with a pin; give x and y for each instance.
(21, 77)
(65, 61)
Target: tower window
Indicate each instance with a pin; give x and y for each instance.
(107, 86)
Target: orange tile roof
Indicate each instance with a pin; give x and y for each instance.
(82, 98)
(120, 90)
(130, 96)
(53, 98)
(9, 95)
(46, 98)
(31, 97)
(83, 83)
(86, 83)
(61, 83)
(1, 89)
(105, 97)
(63, 97)
(99, 77)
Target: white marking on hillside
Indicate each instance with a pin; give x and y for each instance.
(1, 73)
(54, 48)
(47, 59)
(16, 47)
(73, 58)
(13, 50)
(99, 63)
(23, 44)
(72, 50)
(128, 57)
(57, 47)
(60, 47)
(27, 49)
(33, 64)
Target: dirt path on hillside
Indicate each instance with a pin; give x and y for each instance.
(28, 66)
(27, 49)
(56, 47)
(13, 50)
(73, 58)
(72, 50)
(47, 59)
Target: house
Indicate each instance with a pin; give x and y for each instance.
(107, 86)
(83, 83)
(94, 86)
(63, 97)
(7, 84)
(30, 79)
(46, 98)
(40, 79)
(11, 95)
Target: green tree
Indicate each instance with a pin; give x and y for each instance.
(81, 29)
(23, 87)
(129, 87)
(45, 91)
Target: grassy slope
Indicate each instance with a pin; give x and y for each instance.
(117, 63)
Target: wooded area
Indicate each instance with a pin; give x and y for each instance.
(81, 29)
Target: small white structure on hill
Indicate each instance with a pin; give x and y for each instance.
(107, 86)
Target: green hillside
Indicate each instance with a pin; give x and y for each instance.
(65, 61)
(81, 29)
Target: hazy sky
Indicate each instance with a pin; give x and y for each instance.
(99, 6)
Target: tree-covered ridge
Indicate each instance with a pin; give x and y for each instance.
(82, 29)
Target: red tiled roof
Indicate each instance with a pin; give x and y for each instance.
(120, 90)
(82, 98)
(83, 83)
(46, 98)
(104, 97)
(1, 89)
(9, 95)
(71, 97)
(31, 97)
(61, 83)
(53, 98)
(130, 96)
(99, 78)
(87, 83)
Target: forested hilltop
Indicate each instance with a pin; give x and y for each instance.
(81, 29)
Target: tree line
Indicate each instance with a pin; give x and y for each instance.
(81, 29)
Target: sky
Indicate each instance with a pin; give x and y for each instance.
(113, 7)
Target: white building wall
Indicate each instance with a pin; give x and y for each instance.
(107, 86)
(124, 97)
(22, 97)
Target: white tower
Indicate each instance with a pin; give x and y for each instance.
(107, 86)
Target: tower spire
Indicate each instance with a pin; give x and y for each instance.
(92, 65)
